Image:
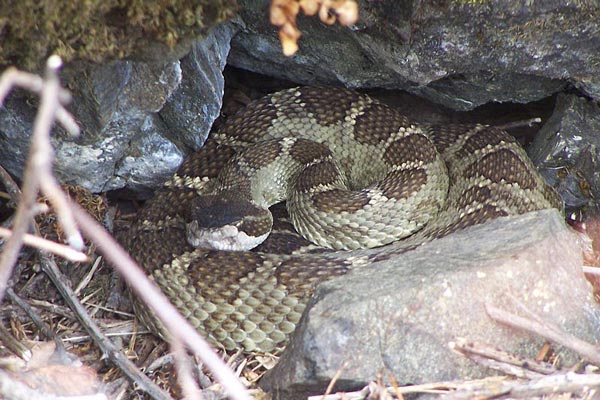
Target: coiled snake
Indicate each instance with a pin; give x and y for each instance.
(356, 175)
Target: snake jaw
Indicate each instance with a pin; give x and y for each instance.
(226, 237)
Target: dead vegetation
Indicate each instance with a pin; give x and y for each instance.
(284, 13)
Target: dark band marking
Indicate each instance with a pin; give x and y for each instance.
(446, 135)
(403, 183)
(486, 213)
(206, 162)
(323, 173)
(306, 151)
(300, 275)
(480, 140)
(377, 123)
(203, 268)
(412, 148)
(257, 225)
(250, 124)
(339, 200)
(474, 195)
(262, 154)
(327, 110)
(502, 166)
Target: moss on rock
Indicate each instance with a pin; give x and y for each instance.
(96, 30)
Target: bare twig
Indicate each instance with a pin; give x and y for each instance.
(38, 171)
(334, 379)
(48, 245)
(185, 375)
(519, 124)
(178, 327)
(546, 330)
(15, 346)
(13, 77)
(88, 276)
(37, 320)
(492, 387)
(569, 382)
(500, 360)
(435, 387)
(107, 347)
(590, 270)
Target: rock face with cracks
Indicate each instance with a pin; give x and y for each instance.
(457, 53)
(398, 316)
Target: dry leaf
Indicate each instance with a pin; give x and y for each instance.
(283, 14)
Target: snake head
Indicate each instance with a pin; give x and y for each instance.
(227, 221)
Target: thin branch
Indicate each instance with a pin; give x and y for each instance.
(185, 374)
(37, 320)
(48, 245)
(492, 387)
(434, 387)
(492, 357)
(13, 344)
(569, 382)
(10, 185)
(88, 277)
(12, 77)
(546, 330)
(336, 377)
(41, 129)
(590, 270)
(519, 124)
(52, 190)
(107, 347)
(38, 170)
(178, 327)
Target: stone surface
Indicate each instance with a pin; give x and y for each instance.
(139, 119)
(458, 53)
(566, 150)
(399, 315)
(127, 94)
(193, 108)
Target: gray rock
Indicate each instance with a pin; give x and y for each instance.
(399, 315)
(139, 118)
(566, 150)
(457, 49)
(472, 90)
(192, 110)
(126, 94)
(16, 121)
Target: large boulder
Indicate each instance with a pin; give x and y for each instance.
(400, 315)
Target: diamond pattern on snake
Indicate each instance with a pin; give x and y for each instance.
(361, 182)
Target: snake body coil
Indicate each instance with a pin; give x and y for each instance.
(356, 175)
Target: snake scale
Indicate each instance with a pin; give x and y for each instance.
(343, 161)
